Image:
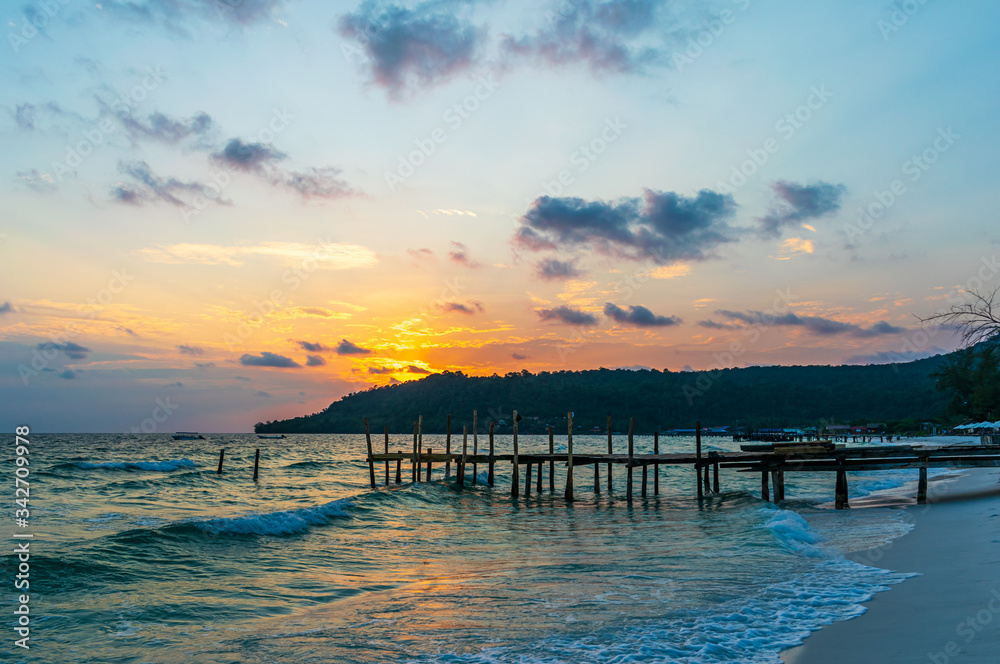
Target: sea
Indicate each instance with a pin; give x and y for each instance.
(142, 552)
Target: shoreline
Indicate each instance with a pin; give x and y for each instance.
(951, 611)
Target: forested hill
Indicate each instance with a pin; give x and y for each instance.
(756, 396)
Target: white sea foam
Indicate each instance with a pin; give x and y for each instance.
(287, 522)
(162, 466)
(793, 531)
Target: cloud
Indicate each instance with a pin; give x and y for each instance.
(146, 187)
(164, 128)
(73, 351)
(664, 227)
(204, 366)
(518, 356)
(268, 359)
(330, 256)
(460, 254)
(6, 308)
(175, 15)
(469, 309)
(712, 325)
(69, 374)
(345, 347)
(797, 203)
(260, 159)
(314, 361)
(567, 315)
(313, 348)
(639, 316)
(43, 183)
(190, 350)
(413, 369)
(421, 254)
(890, 357)
(248, 157)
(407, 49)
(262, 393)
(551, 269)
(607, 36)
(381, 370)
(814, 324)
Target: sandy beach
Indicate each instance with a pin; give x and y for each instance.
(951, 611)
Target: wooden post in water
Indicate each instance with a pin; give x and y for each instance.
(420, 442)
(569, 451)
(841, 497)
(465, 454)
(597, 478)
(527, 479)
(489, 479)
(222, 455)
(399, 467)
(475, 445)
(429, 452)
(610, 451)
(371, 467)
(697, 456)
(715, 477)
(644, 469)
(538, 488)
(371, 462)
(765, 494)
(922, 486)
(631, 451)
(413, 459)
(656, 467)
(552, 464)
(387, 451)
(447, 448)
(514, 477)
(708, 485)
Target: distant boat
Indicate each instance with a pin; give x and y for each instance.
(187, 435)
(271, 435)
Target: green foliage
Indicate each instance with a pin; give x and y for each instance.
(659, 400)
(972, 378)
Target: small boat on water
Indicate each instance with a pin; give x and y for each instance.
(187, 435)
(271, 435)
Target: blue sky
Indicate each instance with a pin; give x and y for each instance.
(475, 186)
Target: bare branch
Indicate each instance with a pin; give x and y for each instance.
(976, 320)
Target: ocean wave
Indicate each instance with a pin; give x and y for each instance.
(793, 532)
(286, 522)
(160, 466)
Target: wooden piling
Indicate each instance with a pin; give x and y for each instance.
(552, 464)
(697, 454)
(475, 445)
(708, 485)
(399, 468)
(765, 494)
(465, 455)
(371, 465)
(489, 479)
(569, 451)
(922, 486)
(429, 452)
(841, 501)
(222, 456)
(420, 441)
(610, 465)
(715, 477)
(656, 467)
(514, 474)
(597, 478)
(387, 451)
(538, 489)
(413, 460)
(371, 462)
(447, 448)
(527, 479)
(644, 473)
(631, 454)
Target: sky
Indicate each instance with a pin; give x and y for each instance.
(218, 212)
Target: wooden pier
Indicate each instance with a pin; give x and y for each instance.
(772, 461)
